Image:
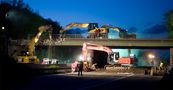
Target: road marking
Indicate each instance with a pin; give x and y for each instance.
(106, 82)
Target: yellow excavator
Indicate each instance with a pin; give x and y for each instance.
(92, 27)
(29, 57)
(94, 31)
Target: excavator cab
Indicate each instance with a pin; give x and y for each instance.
(123, 33)
(24, 57)
(92, 26)
(113, 58)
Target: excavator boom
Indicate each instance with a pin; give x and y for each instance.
(89, 46)
(84, 25)
(34, 40)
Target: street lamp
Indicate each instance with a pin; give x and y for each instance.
(2, 27)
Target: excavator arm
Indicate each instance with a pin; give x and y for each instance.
(34, 40)
(89, 46)
(84, 25)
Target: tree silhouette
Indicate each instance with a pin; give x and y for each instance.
(169, 22)
(22, 21)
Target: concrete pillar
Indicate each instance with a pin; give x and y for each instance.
(152, 71)
(90, 56)
(129, 52)
(50, 52)
(171, 56)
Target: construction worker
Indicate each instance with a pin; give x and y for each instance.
(161, 66)
(80, 68)
(73, 66)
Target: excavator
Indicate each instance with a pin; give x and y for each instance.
(29, 57)
(115, 62)
(122, 32)
(113, 59)
(95, 32)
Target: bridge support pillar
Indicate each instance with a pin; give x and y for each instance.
(129, 52)
(171, 56)
(90, 56)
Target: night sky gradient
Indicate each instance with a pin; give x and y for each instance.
(125, 13)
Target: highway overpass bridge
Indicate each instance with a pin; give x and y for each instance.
(140, 43)
(119, 43)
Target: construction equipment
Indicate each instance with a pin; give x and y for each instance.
(29, 56)
(72, 25)
(113, 57)
(96, 32)
(122, 32)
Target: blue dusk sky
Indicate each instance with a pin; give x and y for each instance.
(144, 15)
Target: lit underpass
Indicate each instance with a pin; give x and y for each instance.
(66, 55)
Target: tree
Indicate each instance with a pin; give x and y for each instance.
(169, 22)
(22, 21)
(4, 7)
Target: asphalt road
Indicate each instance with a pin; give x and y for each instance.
(90, 81)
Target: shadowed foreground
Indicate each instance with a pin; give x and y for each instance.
(19, 77)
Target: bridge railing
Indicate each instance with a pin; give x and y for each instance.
(102, 36)
(57, 36)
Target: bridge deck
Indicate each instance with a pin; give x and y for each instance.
(161, 43)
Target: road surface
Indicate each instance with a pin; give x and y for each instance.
(89, 81)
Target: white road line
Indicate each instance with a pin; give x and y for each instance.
(106, 82)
